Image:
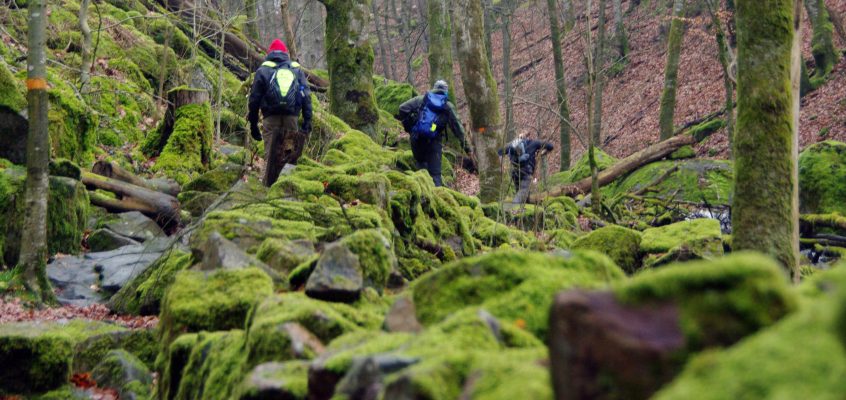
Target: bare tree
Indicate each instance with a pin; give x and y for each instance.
(726, 58)
(508, 7)
(290, 38)
(598, 68)
(671, 70)
(440, 44)
(33, 256)
(87, 56)
(765, 215)
(560, 85)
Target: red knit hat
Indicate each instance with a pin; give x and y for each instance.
(278, 45)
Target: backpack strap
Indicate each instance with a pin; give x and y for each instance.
(270, 64)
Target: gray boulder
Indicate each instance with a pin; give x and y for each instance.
(105, 239)
(337, 276)
(136, 226)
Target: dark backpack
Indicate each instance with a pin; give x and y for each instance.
(430, 118)
(282, 96)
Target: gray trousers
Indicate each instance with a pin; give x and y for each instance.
(283, 144)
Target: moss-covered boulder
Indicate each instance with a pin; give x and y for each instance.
(629, 342)
(621, 244)
(284, 255)
(187, 151)
(219, 179)
(390, 95)
(768, 365)
(516, 287)
(215, 366)
(581, 169)
(682, 241)
(122, 371)
(42, 353)
(822, 178)
(144, 293)
(141, 343)
(694, 180)
(197, 301)
(67, 213)
(286, 380)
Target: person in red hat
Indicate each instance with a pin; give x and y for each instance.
(280, 91)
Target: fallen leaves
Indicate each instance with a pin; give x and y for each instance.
(16, 311)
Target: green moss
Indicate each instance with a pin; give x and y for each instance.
(66, 168)
(42, 353)
(389, 96)
(683, 153)
(665, 238)
(375, 255)
(822, 178)
(141, 343)
(11, 89)
(621, 244)
(124, 372)
(219, 179)
(513, 286)
(71, 122)
(694, 180)
(291, 376)
(768, 365)
(581, 169)
(706, 128)
(67, 213)
(219, 301)
(143, 295)
(188, 149)
(510, 374)
(215, 366)
(720, 301)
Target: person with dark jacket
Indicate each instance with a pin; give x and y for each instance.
(427, 144)
(283, 139)
(523, 155)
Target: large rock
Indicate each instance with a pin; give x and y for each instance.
(282, 342)
(822, 178)
(141, 343)
(214, 368)
(220, 300)
(37, 356)
(695, 180)
(283, 256)
(402, 317)
(683, 241)
(337, 276)
(220, 253)
(219, 179)
(277, 381)
(122, 371)
(629, 342)
(143, 294)
(621, 244)
(105, 239)
(135, 225)
(516, 287)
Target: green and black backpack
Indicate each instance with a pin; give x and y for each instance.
(282, 96)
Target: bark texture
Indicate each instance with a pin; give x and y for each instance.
(350, 57)
(33, 255)
(481, 94)
(290, 38)
(560, 86)
(87, 56)
(671, 70)
(765, 212)
(822, 44)
(440, 44)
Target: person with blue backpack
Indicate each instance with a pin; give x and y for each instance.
(280, 91)
(426, 118)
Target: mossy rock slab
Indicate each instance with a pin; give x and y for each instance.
(767, 365)
(197, 301)
(516, 287)
(621, 244)
(143, 294)
(42, 353)
(694, 180)
(701, 237)
(822, 178)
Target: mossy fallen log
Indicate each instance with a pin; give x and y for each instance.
(111, 169)
(161, 207)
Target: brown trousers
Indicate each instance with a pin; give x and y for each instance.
(283, 144)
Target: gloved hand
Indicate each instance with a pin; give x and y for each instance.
(524, 158)
(467, 149)
(306, 128)
(255, 132)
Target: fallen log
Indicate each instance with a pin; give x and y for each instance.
(652, 153)
(111, 169)
(810, 223)
(161, 207)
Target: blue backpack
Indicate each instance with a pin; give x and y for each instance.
(429, 118)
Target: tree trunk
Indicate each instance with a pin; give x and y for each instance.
(311, 35)
(350, 57)
(162, 208)
(507, 79)
(599, 83)
(822, 44)
(765, 212)
(387, 24)
(440, 45)
(252, 19)
(290, 38)
(114, 171)
(560, 86)
(490, 22)
(671, 70)
(380, 36)
(481, 94)
(33, 255)
(620, 35)
(838, 23)
(87, 56)
(724, 56)
(407, 44)
(569, 14)
(176, 98)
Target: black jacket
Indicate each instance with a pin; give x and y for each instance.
(529, 150)
(408, 116)
(262, 80)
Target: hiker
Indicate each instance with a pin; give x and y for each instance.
(425, 118)
(522, 152)
(280, 90)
